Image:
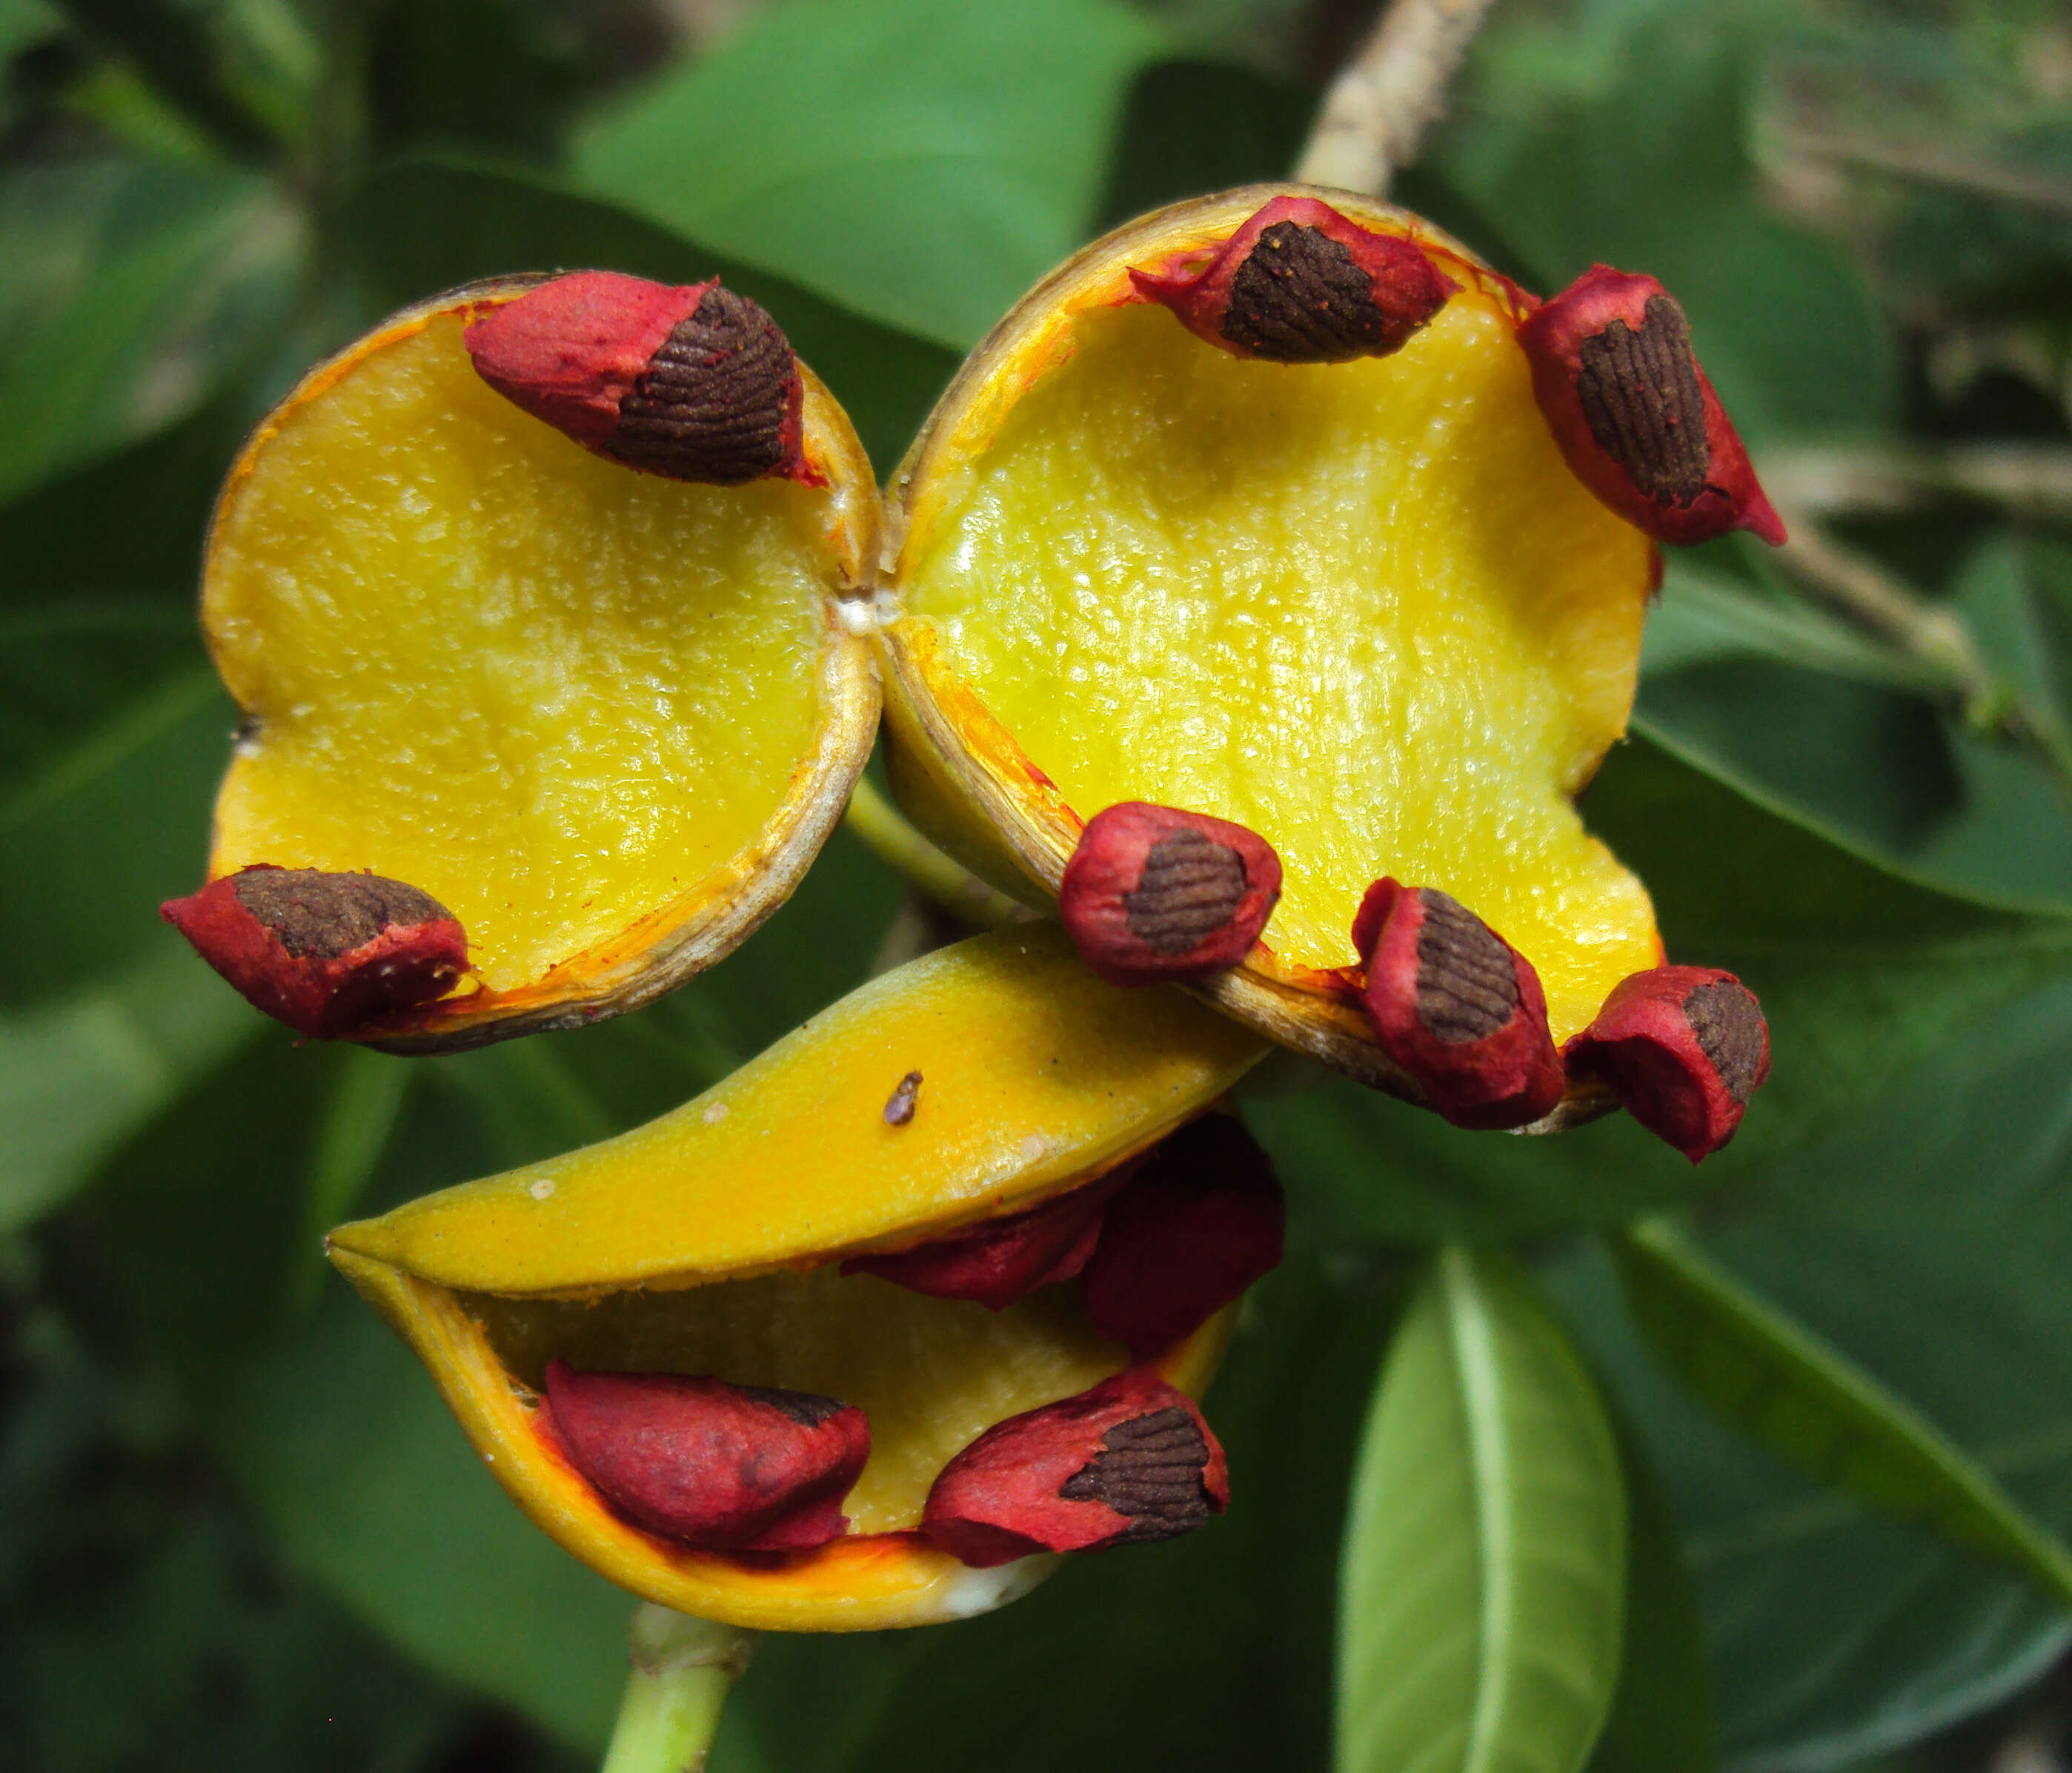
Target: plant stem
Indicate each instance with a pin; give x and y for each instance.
(683, 1669)
(886, 833)
(1866, 595)
(2028, 479)
(1386, 96)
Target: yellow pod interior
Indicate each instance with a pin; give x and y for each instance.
(585, 708)
(1364, 609)
(710, 1242)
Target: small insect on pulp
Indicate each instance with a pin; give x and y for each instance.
(1128, 1462)
(1682, 1048)
(899, 1105)
(1457, 1006)
(1153, 893)
(331, 955)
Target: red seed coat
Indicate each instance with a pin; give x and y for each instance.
(1156, 893)
(997, 1262)
(1682, 1048)
(1457, 1006)
(334, 956)
(1198, 1223)
(691, 381)
(1636, 415)
(1130, 1462)
(723, 1467)
(1299, 283)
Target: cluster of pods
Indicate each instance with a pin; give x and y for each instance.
(697, 384)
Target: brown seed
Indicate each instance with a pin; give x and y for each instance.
(1467, 984)
(1300, 298)
(1731, 1032)
(1190, 887)
(1149, 1468)
(1642, 400)
(326, 914)
(714, 402)
(899, 1105)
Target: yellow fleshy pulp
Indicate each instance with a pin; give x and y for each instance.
(1364, 609)
(554, 693)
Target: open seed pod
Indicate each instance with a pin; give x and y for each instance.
(1257, 515)
(711, 1244)
(598, 707)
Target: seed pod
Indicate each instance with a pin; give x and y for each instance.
(1682, 1048)
(1636, 415)
(1299, 283)
(331, 955)
(1154, 893)
(996, 1263)
(722, 1467)
(1130, 1462)
(1201, 1221)
(692, 382)
(1457, 1006)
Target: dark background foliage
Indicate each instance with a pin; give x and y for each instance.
(237, 1529)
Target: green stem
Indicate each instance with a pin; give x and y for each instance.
(683, 1669)
(886, 833)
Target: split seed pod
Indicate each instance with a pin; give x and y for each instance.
(710, 1244)
(1457, 1007)
(1682, 1048)
(1130, 1462)
(1613, 371)
(604, 718)
(332, 956)
(1363, 608)
(1154, 893)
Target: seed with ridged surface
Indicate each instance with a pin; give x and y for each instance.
(1682, 1048)
(334, 956)
(1457, 1006)
(1156, 892)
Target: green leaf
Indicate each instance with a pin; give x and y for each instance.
(1926, 1237)
(1817, 1410)
(429, 225)
(1192, 126)
(1484, 1577)
(923, 162)
(1861, 969)
(184, 270)
(1642, 166)
(78, 1076)
(1664, 1715)
(1705, 616)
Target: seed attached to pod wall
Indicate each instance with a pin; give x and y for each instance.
(1636, 415)
(723, 1467)
(1153, 893)
(1682, 1048)
(1202, 1220)
(692, 381)
(1300, 283)
(1128, 1462)
(331, 955)
(997, 1263)
(1457, 1006)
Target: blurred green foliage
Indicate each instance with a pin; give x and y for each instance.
(237, 1529)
